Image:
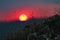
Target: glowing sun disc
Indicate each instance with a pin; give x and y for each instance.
(23, 17)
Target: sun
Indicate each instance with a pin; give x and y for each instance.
(23, 17)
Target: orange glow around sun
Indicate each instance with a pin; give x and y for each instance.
(23, 17)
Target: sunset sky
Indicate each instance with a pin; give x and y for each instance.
(11, 9)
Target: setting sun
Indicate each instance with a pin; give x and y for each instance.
(23, 17)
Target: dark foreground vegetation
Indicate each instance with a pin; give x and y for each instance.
(48, 29)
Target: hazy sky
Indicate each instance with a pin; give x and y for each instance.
(10, 10)
(7, 6)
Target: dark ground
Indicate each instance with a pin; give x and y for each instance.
(36, 29)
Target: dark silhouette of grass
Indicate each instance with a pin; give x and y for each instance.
(37, 30)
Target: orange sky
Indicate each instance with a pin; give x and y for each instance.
(39, 11)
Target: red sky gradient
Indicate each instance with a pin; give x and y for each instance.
(40, 11)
